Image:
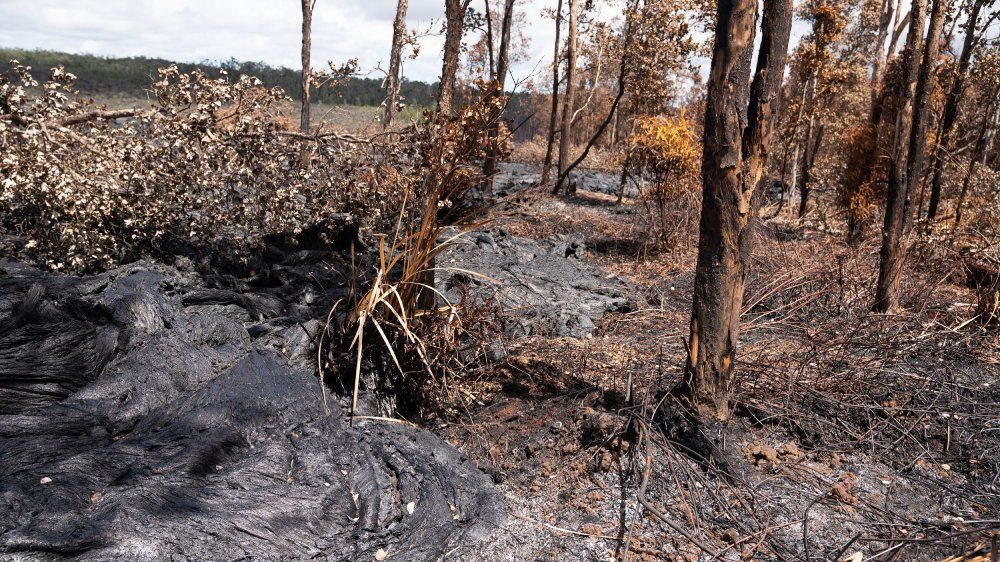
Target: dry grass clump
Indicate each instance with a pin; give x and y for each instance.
(420, 337)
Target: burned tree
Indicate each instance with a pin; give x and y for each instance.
(395, 54)
(566, 132)
(737, 129)
(454, 13)
(909, 131)
(502, 67)
(554, 116)
(951, 105)
(307, 12)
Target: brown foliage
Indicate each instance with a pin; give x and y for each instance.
(212, 163)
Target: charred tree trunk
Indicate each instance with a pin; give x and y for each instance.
(489, 41)
(795, 140)
(566, 131)
(395, 54)
(978, 156)
(897, 34)
(922, 102)
(503, 57)
(454, 11)
(885, 19)
(732, 163)
(807, 144)
(307, 11)
(951, 108)
(807, 166)
(455, 19)
(892, 253)
(554, 117)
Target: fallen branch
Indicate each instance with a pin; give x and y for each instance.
(655, 512)
(98, 114)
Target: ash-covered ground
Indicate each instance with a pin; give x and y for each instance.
(165, 411)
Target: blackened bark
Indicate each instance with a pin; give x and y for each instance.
(307, 11)
(951, 108)
(807, 166)
(735, 149)
(395, 53)
(922, 101)
(891, 255)
(566, 131)
(454, 11)
(503, 58)
(554, 118)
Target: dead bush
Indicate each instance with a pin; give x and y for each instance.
(665, 151)
(211, 163)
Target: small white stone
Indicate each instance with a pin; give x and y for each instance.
(45, 480)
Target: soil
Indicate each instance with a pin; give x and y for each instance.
(856, 436)
(153, 412)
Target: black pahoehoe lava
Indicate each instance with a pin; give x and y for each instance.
(144, 415)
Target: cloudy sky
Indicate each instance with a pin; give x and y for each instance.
(255, 30)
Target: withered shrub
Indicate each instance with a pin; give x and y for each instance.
(212, 163)
(666, 150)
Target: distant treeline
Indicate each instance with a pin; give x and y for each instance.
(134, 75)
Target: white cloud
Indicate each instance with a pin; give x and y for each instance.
(253, 30)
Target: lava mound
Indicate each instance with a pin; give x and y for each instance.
(146, 416)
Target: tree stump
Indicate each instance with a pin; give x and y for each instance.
(985, 278)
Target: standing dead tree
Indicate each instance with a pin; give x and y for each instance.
(307, 13)
(554, 117)
(987, 79)
(395, 55)
(627, 34)
(738, 122)
(951, 105)
(910, 130)
(497, 89)
(566, 131)
(454, 14)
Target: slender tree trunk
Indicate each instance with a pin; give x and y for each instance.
(892, 255)
(566, 131)
(807, 142)
(554, 117)
(307, 11)
(503, 57)
(951, 106)
(624, 178)
(395, 54)
(732, 163)
(454, 18)
(924, 93)
(454, 11)
(807, 166)
(795, 140)
(896, 34)
(978, 156)
(489, 41)
(885, 19)
(811, 146)
(925, 180)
